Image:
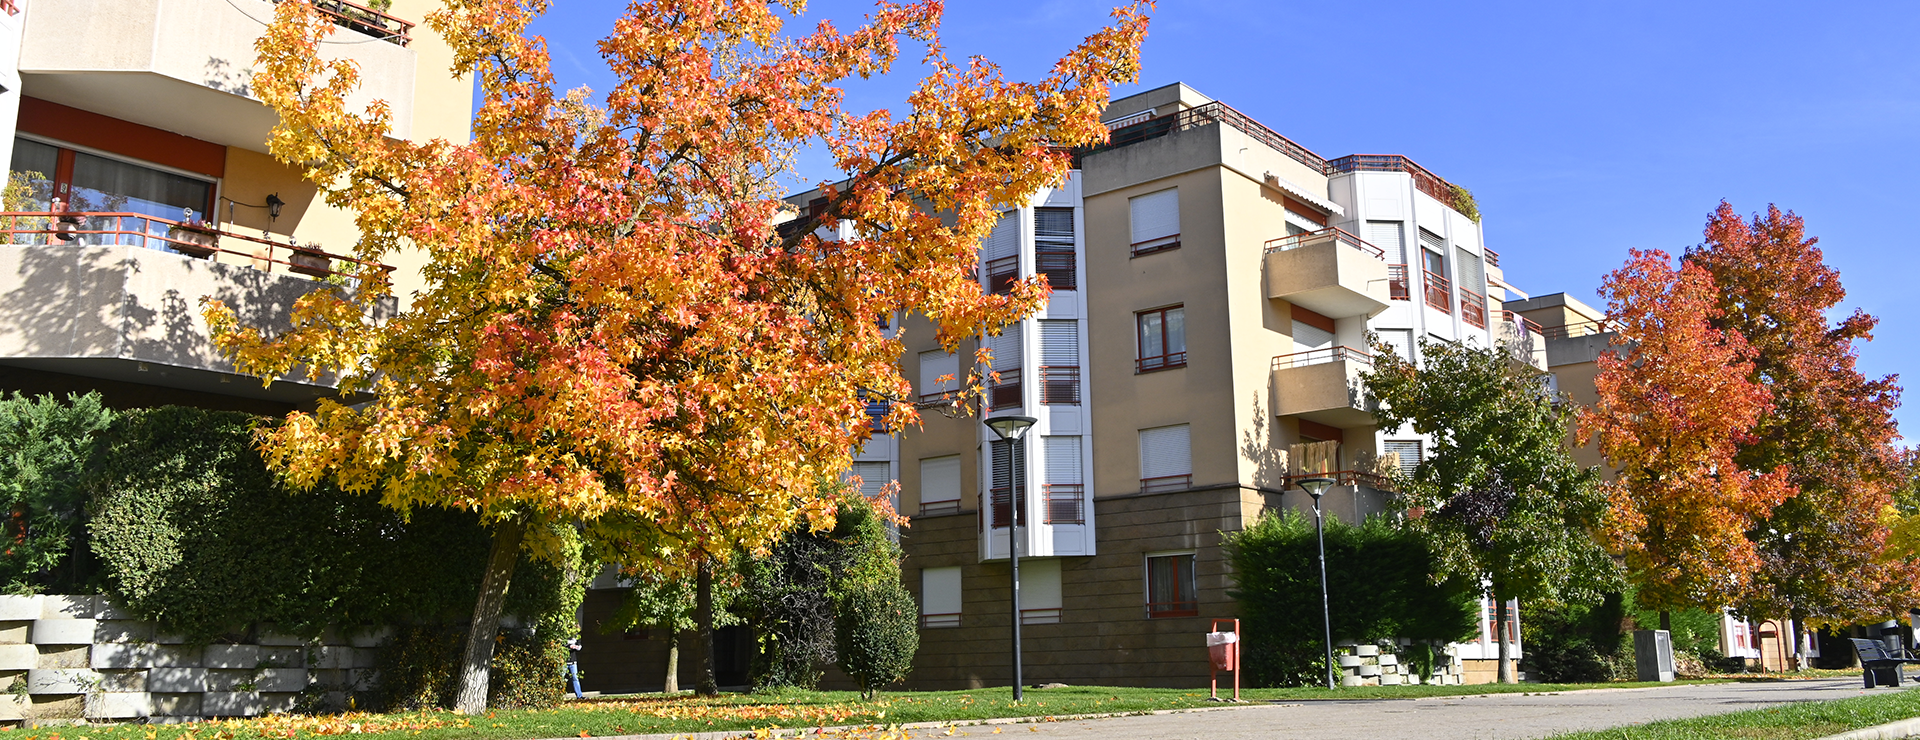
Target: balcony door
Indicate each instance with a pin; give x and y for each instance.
(94, 183)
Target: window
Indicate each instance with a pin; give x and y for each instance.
(1006, 394)
(1000, 253)
(90, 183)
(1401, 340)
(1060, 361)
(876, 413)
(1170, 590)
(934, 366)
(939, 597)
(1166, 459)
(1156, 221)
(1000, 495)
(874, 477)
(1053, 247)
(1312, 333)
(1163, 338)
(1439, 290)
(1040, 591)
(1064, 490)
(1386, 235)
(940, 485)
(1473, 288)
(1406, 452)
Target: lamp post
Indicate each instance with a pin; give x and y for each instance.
(1315, 487)
(1012, 429)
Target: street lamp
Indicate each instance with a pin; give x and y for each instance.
(1010, 430)
(1316, 487)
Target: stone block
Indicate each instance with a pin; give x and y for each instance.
(1348, 681)
(104, 608)
(279, 680)
(1348, 661)
(13, 707)
(371, 637)
(283, 657)
(177, 680)
(278, 703)
(19, 657)
(67, 607)
(1389, 679)
(56, 710)
(1369, 671)
(62, 680)
(231, 704)
(15, 633)
(19, 608)
(63, 656)
(365, 657)
(231, 656)
(1366, 651)
(184, 656)
(332, 656)
(177, 705)
(229, 679)
(1389, 659)
(117, 705)
(123, 655)
(123, 681)
(63, 631)
(122, 630)
(1413, 680)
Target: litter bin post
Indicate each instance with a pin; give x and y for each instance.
(1223, 654)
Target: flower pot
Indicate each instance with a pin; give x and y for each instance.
(192, 242)
(307, 262)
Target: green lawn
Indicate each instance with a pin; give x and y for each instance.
(655, 713)
(1789, 722)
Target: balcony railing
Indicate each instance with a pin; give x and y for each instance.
(1526, 325)
(1060, 384)
(1208, 115)
(1579, 329)
(1002, 273)
(1001, 508)
(1066, 503)
(1473, 308)
(939, 508)
(1005, 394)
(1397, 283)
(1439, 293)
(1058, 265)
(61, 228)
(1423, 179)
(1493, 258)
(1160, 483)
(1296, 241)
(1322, 357)
(356, 17)
(940, 621)
(1346, 478)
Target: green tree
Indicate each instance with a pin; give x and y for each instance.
(667, 602)
(876, 624)
(44, 447)
(1499, 493)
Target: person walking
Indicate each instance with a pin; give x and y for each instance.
(573, 666)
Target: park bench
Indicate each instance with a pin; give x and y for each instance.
(1881, 665)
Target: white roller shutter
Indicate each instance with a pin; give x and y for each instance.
(874, 477)
(1004, 241)
(1433, 242)
(939, 479)
(1040, 600)
(1406, 451)
(1155, 216)
(1006, 349)
(1060, 342)
(1386, 236)
(1063, 460)
(1307, 338)
(940, 591)
(1165, 451)
(1402, 341)
(1467, 268)
(935, 365)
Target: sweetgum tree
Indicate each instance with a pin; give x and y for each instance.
(613, 330)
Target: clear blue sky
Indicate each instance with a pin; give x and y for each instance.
(1583, 129)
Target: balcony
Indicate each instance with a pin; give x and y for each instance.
(1323, 386)
(186, 66)
(1330, 272)
(116, 296)
(1523, 338)
(1439, 292)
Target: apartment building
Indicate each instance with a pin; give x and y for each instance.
(144, 163)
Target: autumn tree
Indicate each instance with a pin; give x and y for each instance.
(1676, 398)
(1499, 495)
(613, 330)
(1830, 429)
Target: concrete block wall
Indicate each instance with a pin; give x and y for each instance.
(68, 659)
(1366, 664)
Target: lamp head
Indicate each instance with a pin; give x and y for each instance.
(1315, 486)
(273, 206)
(1011, 428)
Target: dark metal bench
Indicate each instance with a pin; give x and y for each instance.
(1881, 665)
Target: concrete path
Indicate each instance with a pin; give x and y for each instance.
(1449, 718)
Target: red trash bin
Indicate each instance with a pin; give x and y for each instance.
(1223, 651)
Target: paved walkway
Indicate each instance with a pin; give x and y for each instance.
(1451, 718)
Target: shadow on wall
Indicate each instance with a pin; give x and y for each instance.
(221, 75)
(1262, 445)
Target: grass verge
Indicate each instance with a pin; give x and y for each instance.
(656, 713)
(1788, 722)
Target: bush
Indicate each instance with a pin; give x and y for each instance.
(44, 448)
(876, 624)
(1381, 584)
(420, 668)
(1574, 643)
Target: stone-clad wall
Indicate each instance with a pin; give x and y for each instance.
(80, 657)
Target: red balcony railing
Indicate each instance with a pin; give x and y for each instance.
(938, 621)
(1066, 503)
(1526, 325)
(1166, 483)
(1006, 393)
(1493, 258)
(1296, 241)
(1060, 384)
(194, 239)
(1322, 357)
(939, 508)
(356, 17)
(1057, 264)
(1439, 293)
(1473, 308)
(1160, 362)
(1397, 283)
(1002, 273)
(1423, 179)
(1002, 507)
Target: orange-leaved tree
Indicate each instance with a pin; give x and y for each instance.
(1829, 427)
(615, 332)
(1675, 399)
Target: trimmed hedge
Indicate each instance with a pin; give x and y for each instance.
(1382, 583)
(45, 445)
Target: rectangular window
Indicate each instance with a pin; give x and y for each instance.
(1040, 591)
(1064, 488)
(1006, 393)
(1473, 288)
(1387, 236)
(940, 485)
(874, 477)
(876, 414)
(1053, 247)
(1166, 459)
(1405, 453)
(1000, 494)
(1060, 361)
(1401, 340)
(1000, 253)
(1163, 338)
(1156, 221)
(940, 597)
(939, 374)
(1170, 587)
(1439, 291)
(90, 183)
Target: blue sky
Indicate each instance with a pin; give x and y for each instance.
(1583, 129)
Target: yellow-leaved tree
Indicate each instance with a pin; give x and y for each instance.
(615, 333)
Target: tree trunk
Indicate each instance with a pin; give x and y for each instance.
(703, 681)
(1666, 620)
(472, 698)
(1501, 618)
(673, 663)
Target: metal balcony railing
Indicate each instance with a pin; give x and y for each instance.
(1060, 384)
(62, 228)
(1346, 478)
(1322, 357)
(1493, 258)
(1045, 615)
(1206, 115)
(1423, 179)
(1397, 283)
(1001, 508)
(1473, 308)
(1066, 503)
(1296, 241)
(356, 17)
(1005, 394)
(940, 621)
(1439, 293)
(1580, 329)
(1001, 274)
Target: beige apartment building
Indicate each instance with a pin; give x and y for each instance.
(146, 166)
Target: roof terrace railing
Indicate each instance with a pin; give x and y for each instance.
(356, 17)
(1423, 179)
(1207, 115)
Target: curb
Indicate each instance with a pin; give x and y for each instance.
(1902, 728)
(794, 732)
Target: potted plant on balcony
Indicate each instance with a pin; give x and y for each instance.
(308, 259)
(192, 237)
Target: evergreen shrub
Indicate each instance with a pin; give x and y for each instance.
(876, 623)
(45, 445)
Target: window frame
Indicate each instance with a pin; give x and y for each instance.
(1191, 604)
(1165, 360)
(1164, 243)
